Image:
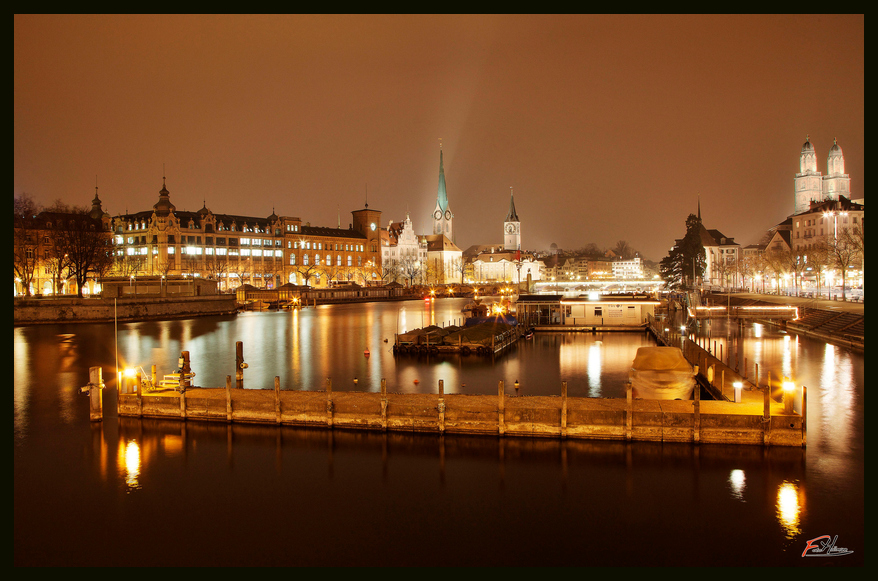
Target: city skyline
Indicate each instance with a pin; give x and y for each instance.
(607, 127)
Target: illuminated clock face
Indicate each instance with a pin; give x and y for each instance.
(372, 226)
(437, 215)
(510, 228)
(448, 214)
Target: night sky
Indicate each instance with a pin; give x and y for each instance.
(607, 128)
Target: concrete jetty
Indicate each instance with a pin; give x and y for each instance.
(752, 422)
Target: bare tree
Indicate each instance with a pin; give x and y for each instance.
(819, 262)
(24, 241)
(462, 267)
(307, 272)
(845, 251)
(623, 250)
(795, 266)
(412, 269)
(777, 261)
(86, 245)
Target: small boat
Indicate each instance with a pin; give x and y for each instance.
(661, 373)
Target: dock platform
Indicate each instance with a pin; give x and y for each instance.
(753, 422)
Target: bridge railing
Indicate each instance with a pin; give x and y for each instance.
(787, 313)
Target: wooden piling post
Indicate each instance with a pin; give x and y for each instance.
(563, 409)
(384, 404)
(277, 399)
(138, 390)
(696, 428)
(441, 406)
(766, 413)
(804, 414)
(185, 370)
(228, 398)
(95, 395)
(182, 404)
(629, 410)
(329, 402)
(239, 364)
(501, 410)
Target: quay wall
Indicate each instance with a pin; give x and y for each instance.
(106, 310)
(629, 419)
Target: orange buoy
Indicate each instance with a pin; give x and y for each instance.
(366, 353)
(417, 381)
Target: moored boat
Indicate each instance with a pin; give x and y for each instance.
(661, 373)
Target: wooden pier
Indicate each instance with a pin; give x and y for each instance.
(753, 422)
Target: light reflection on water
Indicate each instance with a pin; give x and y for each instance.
(519, 501)
(308, 347)
(789, 507)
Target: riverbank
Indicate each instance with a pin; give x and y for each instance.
(33, 311)
(841, 323)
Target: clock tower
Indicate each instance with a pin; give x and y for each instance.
(511, 227)
(442, 215)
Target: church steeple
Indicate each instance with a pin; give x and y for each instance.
(512, 227)
(511, 216)
(442, 196)
(442, 215)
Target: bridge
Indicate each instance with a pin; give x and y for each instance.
(785, 313)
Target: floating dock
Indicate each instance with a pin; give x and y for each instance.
(482, 338)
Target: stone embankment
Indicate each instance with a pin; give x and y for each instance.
(31, 311)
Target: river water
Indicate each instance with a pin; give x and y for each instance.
(148, 492)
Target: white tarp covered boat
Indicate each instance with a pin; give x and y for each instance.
(661, 373)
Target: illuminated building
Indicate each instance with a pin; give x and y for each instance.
(264, 252)
(403, 253)
(812, 186)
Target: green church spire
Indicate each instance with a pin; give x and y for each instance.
(442, 199)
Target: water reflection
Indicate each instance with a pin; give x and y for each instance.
(520, 500)
(737, 484)
(129, 463)
(789, 509)
(305, 348)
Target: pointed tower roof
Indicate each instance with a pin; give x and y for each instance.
(512, 216)
(164, 206)
(442, 197)
(97, 212)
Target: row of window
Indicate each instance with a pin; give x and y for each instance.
(328, 260)
(305, 245)
(193, 226)
(198, 251)
(196, 240)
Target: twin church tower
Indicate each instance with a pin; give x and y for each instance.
(443, 217)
